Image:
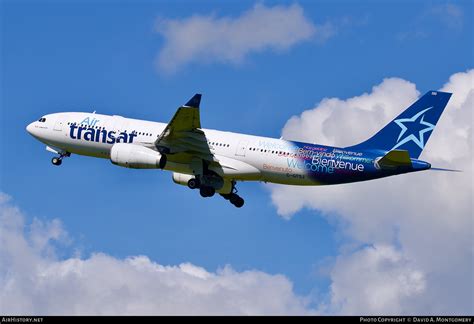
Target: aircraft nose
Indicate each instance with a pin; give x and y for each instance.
(30, 128)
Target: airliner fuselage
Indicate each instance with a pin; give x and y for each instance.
(212, 160)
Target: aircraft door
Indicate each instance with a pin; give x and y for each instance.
(59, 125)
(241, 148)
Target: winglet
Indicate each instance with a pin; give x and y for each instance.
(195, 101)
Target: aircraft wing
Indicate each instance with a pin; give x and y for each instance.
(183, 134)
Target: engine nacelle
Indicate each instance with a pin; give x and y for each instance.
(136, 157)
(182, 178)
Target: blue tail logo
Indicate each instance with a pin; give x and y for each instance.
(414, 125)
(411, 130)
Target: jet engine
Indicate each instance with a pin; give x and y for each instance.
(181, 178)
(136, 157)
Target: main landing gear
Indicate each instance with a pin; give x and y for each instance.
(58, 160)
(204, 191)
(208, 191)
(234, 199)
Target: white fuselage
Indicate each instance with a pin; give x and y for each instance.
(254, 158)
(213, 161)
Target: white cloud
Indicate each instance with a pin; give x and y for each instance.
(362, 114)
(209, 38)
(374, 280)
(425, 218)
(34, 281)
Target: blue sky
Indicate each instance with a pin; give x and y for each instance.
(85, 56)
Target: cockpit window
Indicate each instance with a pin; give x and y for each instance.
(42, 120)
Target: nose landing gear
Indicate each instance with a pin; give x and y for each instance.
(58, 160)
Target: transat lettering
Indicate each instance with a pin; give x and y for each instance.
(100, 135)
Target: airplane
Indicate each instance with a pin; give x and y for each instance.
(214, 161)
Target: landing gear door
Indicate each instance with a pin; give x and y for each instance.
(241, 148)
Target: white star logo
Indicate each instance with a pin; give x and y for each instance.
(420, 140)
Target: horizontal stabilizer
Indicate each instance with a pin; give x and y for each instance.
(395, 159)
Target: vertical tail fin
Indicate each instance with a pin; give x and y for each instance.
(412, 128)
